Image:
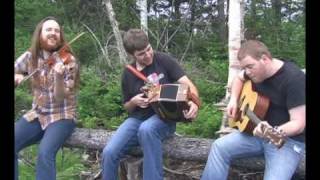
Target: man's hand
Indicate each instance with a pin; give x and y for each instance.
(59, 68)
(261, 129)
(17, 79)
(140, 101)
(192, 112)
(232, 108)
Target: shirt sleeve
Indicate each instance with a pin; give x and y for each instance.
(295, 91)
(21, 64)
(174, 70)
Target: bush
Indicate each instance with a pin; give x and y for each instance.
(68, 161)
(99, 101)
(205, 125)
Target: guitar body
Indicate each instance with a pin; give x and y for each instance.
(249, 99)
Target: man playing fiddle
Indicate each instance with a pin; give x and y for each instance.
(54, 82)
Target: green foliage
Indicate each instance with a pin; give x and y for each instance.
(207, 123)
(68, 163)
(22, 41)
(209, 50)
(27, 160)
(23, 101)
(210, 92)
(285, 38)
(99, 101)
(292, 43)
(28, 13)
(127, 17)
(210, 79)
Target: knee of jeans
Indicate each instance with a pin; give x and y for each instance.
(108, 153)
(145, 131)
(217, 145)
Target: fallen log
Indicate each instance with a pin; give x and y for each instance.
(175, 147)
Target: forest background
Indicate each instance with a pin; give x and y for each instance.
(195, 32)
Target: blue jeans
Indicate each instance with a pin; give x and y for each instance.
(133, 132)
(280, 164)
(51, 139)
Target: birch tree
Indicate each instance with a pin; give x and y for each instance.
(234, 39)
(142, 4)
(235, 35)
(117, 34)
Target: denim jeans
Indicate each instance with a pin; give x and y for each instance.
(51, 139)
(280, 164)
(133, 132)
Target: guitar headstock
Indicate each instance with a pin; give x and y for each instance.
(274, 136)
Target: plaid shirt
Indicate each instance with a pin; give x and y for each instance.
(44, 105)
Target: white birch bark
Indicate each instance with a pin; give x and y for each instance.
(234, 39)
(142, 4)
(235, 34)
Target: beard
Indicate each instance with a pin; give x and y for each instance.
(44, 44)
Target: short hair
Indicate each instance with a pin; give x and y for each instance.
(135, 40)
(253, 48)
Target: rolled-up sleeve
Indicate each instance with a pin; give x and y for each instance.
(21, 63)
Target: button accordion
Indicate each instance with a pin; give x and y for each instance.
(169, 101)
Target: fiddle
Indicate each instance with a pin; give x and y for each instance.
(63, 53)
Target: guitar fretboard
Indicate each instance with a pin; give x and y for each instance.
(253, 117)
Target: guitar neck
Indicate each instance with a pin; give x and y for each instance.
(274, 136)
(253, 117)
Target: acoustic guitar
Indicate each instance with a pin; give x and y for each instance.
(253, 107)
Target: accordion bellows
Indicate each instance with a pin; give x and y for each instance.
(169, 101)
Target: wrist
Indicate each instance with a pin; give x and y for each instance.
(195, 99)
(59, 68)
(58, 78)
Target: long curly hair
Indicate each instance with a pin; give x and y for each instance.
(35, 50)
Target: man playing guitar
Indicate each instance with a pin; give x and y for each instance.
(284, 84)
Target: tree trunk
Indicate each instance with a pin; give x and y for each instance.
(221, 19)
(235, 22)
(115, 28)
(235, 19)
(276, 24)
(182, 148)
(142, 4)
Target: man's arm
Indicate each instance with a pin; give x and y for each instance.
(194, 107)
(297, 121)
(20, 67)
(64, 79)
(135, 101)
(185, 80)
(236, 89)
